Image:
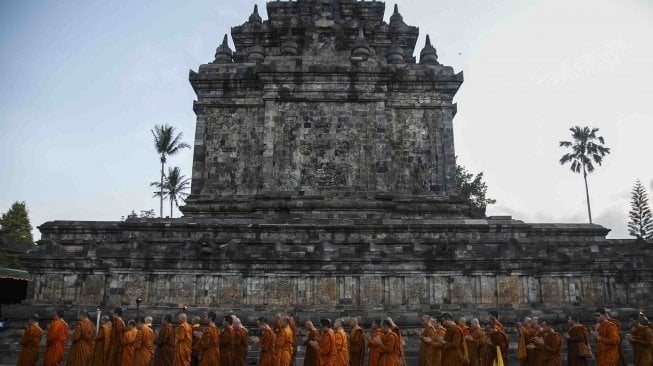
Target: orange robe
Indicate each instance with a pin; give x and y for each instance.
(374, 348)
(452, 349)
(527, 357)
(293, 327)
(551, 348)
(397, 331)
(144, 346)
(117, 331)
(577, 335)
(342, 353)
(165, 346)
(475, 346)
(500, 339)
(283, 346)
(310, 357)
(128, 343)
(101, 346)
(356, 346)
(266, 355)
(607, 345)
(240, 348)
(435, 358)
(327, 352)
(56, 343)
(642, 340)
(209, 346)
(424, 347)
(389, 350)
(30, 344)
(227, 342)
(184, 346)
(83, 339)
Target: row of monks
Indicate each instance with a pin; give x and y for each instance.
(444, 341)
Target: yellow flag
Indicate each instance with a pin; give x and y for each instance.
(498, 361)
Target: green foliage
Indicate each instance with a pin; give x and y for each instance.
(166, 142)
(144, 214)
(641, 219)
(15, 225)
(473, 189)
(586, 150)
(9, 261)
(174, 187)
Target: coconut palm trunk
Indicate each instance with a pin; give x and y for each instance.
(163, 163)
(587, 194)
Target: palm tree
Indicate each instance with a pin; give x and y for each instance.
(176, 185)
(584, 152)
(166, 142)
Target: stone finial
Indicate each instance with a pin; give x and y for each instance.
(396, 17)
(223, 54)
(289, 46)
(428, 55)
(256, 53)
(394, 54)
(360, 48)
(255, 18)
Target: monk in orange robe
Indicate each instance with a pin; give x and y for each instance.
(641, 338)
(57, 337)
(550, 344)
(265, 343)
(117, 331)
(102, 342)
(209, 345)
(196, 327)
(144, 342)
(240, 347)
(165, 343)
(622, 359)
(293, 328)
(395, 328)
(30, 342)
(373, 343)
(435, 347)
(576, 335)
(227, 342)
(425, 335)
(184, 342)
(497, 338)
(475, 343)
(83, 339)
(342, 353)
(527, 331)
(607, 339)
(389, 350)
(128, 343)
(326, 347)
(356, 343)
(283, 344)
(312, 335)
(452, 342)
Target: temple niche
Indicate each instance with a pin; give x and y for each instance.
(323, 182)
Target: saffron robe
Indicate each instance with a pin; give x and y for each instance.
(227, 343)
(30, 344)
(284, 347)
(240, 346)
(144, 346)
(102, 346)
(436, 348)
(327, 352)
(577, 335)
(390, 350)
(342, 353)
(310, 357)
(607, 345)
(500, 339)
(184, 345)
(55, 345)
(266, 355)
(475, 346)
(374, 348)
(83, 340)
(453, 350)
(165, 346)
(209, 346)
(117, 331)
(356, 347)
(128, 343)
(550, 350)
(424, 347)
(642, 340)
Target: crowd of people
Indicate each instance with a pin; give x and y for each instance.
(443, 341)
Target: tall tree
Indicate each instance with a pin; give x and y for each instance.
(175, 186)
(641, 219)
(473, 189)
(167, 142)
(15, 224)
(586, 150)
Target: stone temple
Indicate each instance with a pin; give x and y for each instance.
(323, 183)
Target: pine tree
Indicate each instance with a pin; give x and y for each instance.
(15, 225)
(641, 219)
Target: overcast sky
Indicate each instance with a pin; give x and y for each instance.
(83, 82)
